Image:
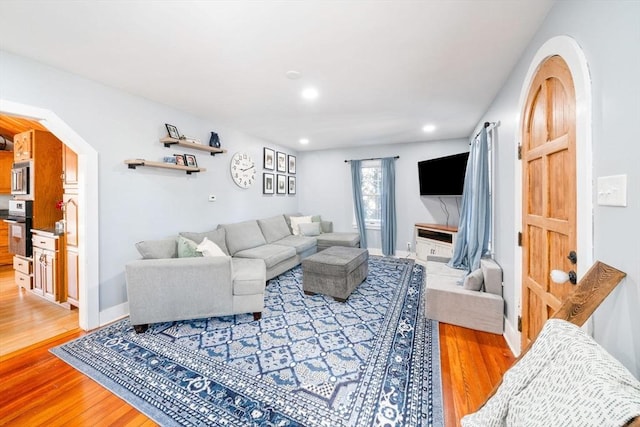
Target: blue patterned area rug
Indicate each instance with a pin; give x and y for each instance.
(310, 361)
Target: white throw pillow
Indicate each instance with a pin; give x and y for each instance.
(296, 221)
(474, 280)
(208, 248)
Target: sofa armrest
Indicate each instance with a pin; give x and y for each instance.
(492, 274)
(161, 290)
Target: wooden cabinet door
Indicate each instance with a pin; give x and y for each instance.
(73, 293)
(39, 274)
(49, 276)
(70, 168)
(6, 161)
(23, 146)
(71, 218)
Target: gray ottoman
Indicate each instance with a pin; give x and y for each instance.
(336, 271)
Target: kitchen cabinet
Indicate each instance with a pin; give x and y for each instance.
(23, 271)
(5, 257)
(72, 253)
(69, 169)
(48, 265)
(23, 146)
(6, 161)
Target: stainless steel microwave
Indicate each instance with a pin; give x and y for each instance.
(21, 179)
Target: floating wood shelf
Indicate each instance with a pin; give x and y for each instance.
(133, 163)
(168, 142)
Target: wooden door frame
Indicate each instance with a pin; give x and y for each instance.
(567, 48)
(88, 239)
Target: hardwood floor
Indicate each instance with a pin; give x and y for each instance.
(37, 388)
(26, 319)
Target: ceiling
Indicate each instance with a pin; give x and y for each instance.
(383, 69)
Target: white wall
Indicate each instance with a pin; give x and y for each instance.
(144, 203)
(609, 35)
(324, 186)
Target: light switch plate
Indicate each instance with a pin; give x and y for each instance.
(612, 190)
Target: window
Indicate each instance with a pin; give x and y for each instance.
(372, 193)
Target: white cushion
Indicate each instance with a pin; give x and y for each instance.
(296, 221)
(208, 248)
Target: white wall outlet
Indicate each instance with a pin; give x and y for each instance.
(212, 197)
(612, 190)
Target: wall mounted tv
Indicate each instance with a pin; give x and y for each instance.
(443, 176)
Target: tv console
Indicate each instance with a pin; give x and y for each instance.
(434, 240)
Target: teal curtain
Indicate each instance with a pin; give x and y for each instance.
(475, 214)
(358, 205)
(388, 214)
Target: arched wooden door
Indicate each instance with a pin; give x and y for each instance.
(548, 193)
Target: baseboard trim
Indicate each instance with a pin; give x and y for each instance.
(114, 313)
(512, 337)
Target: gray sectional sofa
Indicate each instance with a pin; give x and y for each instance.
(174, 282)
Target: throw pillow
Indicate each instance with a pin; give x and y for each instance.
(474, 280)
(216, 236)
(296, 221)
(309, 228)
(208, 248)
(158, 249)
(187, 248)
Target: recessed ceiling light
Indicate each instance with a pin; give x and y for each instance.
(304, 141)
(310, 93)
(293, 74)
(428, 128)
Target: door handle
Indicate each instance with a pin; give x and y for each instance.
(559, 276)
(573, 257)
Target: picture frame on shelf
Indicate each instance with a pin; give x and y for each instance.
(173, 131)
(214, 140)
(267, 183)
(291, 164)
(268, 158)
(292, 185)
(281, 162)
(190, 160)
(180, 160)
(281, 187)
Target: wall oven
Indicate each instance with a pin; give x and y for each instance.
(19, 223)
(22, 180)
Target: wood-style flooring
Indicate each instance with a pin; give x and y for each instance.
(37, 388)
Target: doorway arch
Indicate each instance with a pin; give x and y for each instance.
(570, 51)
(88, 239)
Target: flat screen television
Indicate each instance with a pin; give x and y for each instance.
(443, 176)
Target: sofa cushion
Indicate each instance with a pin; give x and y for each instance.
(299, 243)
(287, 218)
(187, 248)
(158, 249)
(243, 235)
(274, 228)
(208, 248)
(296, 221)
(309, 229)
(474, 280)
(271, 254)
(338, 239)
(216, 236)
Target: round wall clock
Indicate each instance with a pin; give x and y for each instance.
(243, 170)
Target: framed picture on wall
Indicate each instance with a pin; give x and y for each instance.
(282, 184)
(281, 165)
(292, 185)
(269, 158)
(173, 131)
(180, 160)
(267, 183)
(292, 164)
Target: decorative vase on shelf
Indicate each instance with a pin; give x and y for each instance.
(214, 141)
